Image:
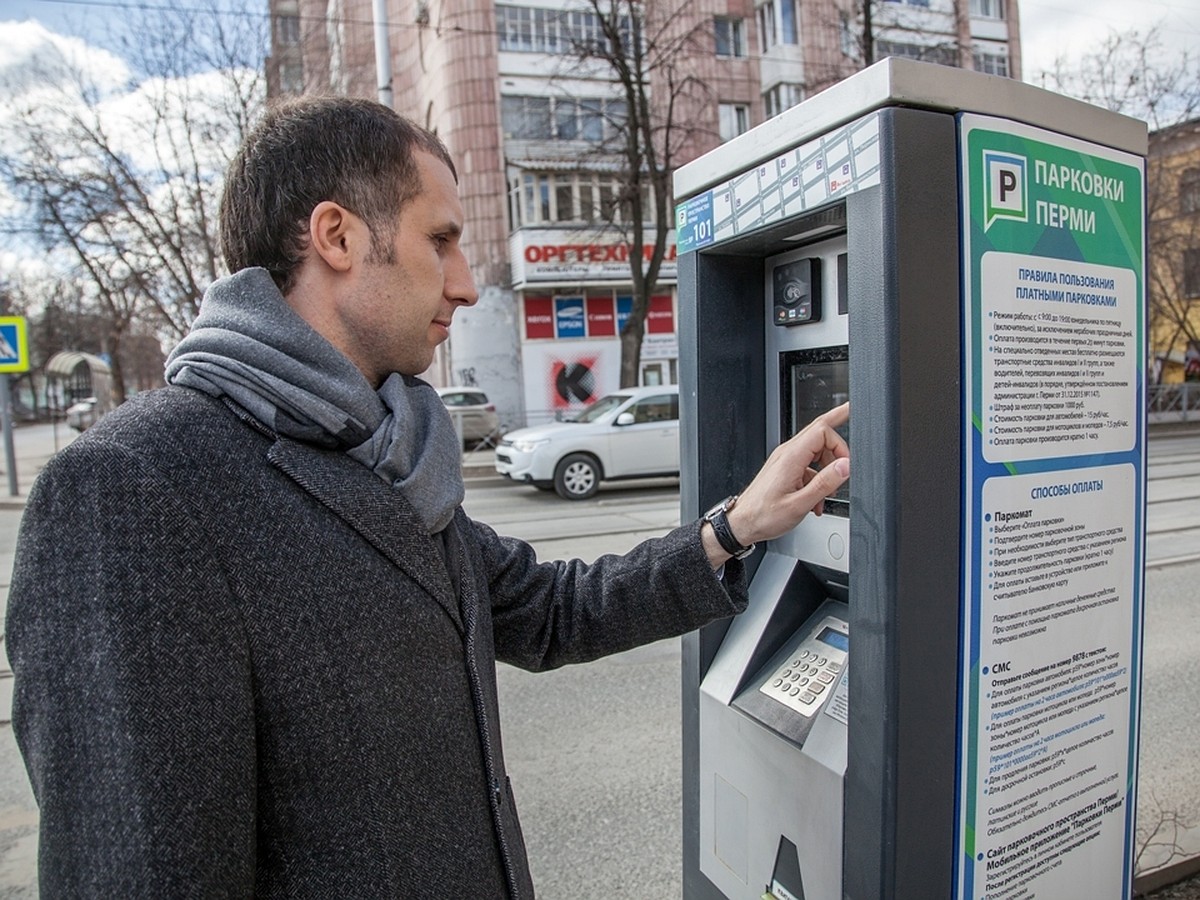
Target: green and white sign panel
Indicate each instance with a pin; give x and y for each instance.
(1054, 445)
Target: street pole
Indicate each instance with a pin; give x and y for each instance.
(383, 54)
(10, 455)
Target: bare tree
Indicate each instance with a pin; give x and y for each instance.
(946, 42)
(647, 51)
(120, 187)
(1161, 836)
(1132, 74)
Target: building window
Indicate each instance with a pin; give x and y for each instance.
(287, 31)
(525, 29)
(568, 198)
(592, 119)
(942, 55)
(734, 119)
(291, 76)
(988, 9)
(730, 36)
(848, 38)
(777, 23)
(990, 63)
(1189, 191)
(789, 32)
(1191, 272)
(767, 35)
(781, 97)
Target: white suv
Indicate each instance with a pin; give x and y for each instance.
(633, 433)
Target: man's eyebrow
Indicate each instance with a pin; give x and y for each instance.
(453, 229)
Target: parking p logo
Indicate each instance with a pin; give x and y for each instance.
(1006, 195)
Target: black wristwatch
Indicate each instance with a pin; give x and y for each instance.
(717, 518)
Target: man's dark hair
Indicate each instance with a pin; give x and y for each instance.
(356, 153)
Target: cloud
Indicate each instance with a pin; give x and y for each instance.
(32, 58)
(1053, 30)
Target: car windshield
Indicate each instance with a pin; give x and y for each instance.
(600, 408)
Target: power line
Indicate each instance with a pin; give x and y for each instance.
(266, 17)
(833, 69)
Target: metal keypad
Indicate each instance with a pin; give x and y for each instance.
(801, 682)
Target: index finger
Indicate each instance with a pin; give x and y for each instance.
(819, 438)
(836, 417)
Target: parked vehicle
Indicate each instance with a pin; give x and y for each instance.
(473, 414)
(632, 433)
(83, 415)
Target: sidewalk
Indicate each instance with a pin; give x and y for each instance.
(33, 446)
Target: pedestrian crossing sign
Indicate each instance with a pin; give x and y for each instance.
(14, 344)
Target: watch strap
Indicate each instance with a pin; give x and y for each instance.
(724, 534)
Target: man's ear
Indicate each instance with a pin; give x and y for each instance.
(335, 234)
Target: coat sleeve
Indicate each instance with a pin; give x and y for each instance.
(132, 706)
(551, 614)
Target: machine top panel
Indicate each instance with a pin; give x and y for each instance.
(905, 82)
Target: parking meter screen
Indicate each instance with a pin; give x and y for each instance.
(813, 382)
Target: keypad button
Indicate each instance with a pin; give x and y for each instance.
(825, 678)
(807, 697)
(778, 682)
(816, 687)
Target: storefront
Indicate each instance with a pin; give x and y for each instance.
(574, 296)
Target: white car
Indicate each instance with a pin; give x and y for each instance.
(633, 433)
(473, 414)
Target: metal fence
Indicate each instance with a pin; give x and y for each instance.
(1174, 402)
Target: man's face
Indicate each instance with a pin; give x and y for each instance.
(401, 310)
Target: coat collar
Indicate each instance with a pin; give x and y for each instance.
(383, 517)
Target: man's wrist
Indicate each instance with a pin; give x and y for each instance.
(718, 520)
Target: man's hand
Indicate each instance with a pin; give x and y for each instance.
(788, 487)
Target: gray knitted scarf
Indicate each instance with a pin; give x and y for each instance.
(249, 345)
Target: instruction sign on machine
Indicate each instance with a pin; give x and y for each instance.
(1053, 456)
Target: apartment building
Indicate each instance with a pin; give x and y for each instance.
(537, 129)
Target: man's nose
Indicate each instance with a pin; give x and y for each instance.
(460, 284)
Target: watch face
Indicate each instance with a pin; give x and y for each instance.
(724, 506)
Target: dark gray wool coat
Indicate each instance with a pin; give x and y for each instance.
(243, 670)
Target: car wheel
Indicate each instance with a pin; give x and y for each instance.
(577, 477)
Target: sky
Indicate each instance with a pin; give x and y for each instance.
(1067, 28)
(1049, 28)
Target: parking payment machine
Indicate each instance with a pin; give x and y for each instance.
(934, 690)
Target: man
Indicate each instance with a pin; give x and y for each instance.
(253, 632)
